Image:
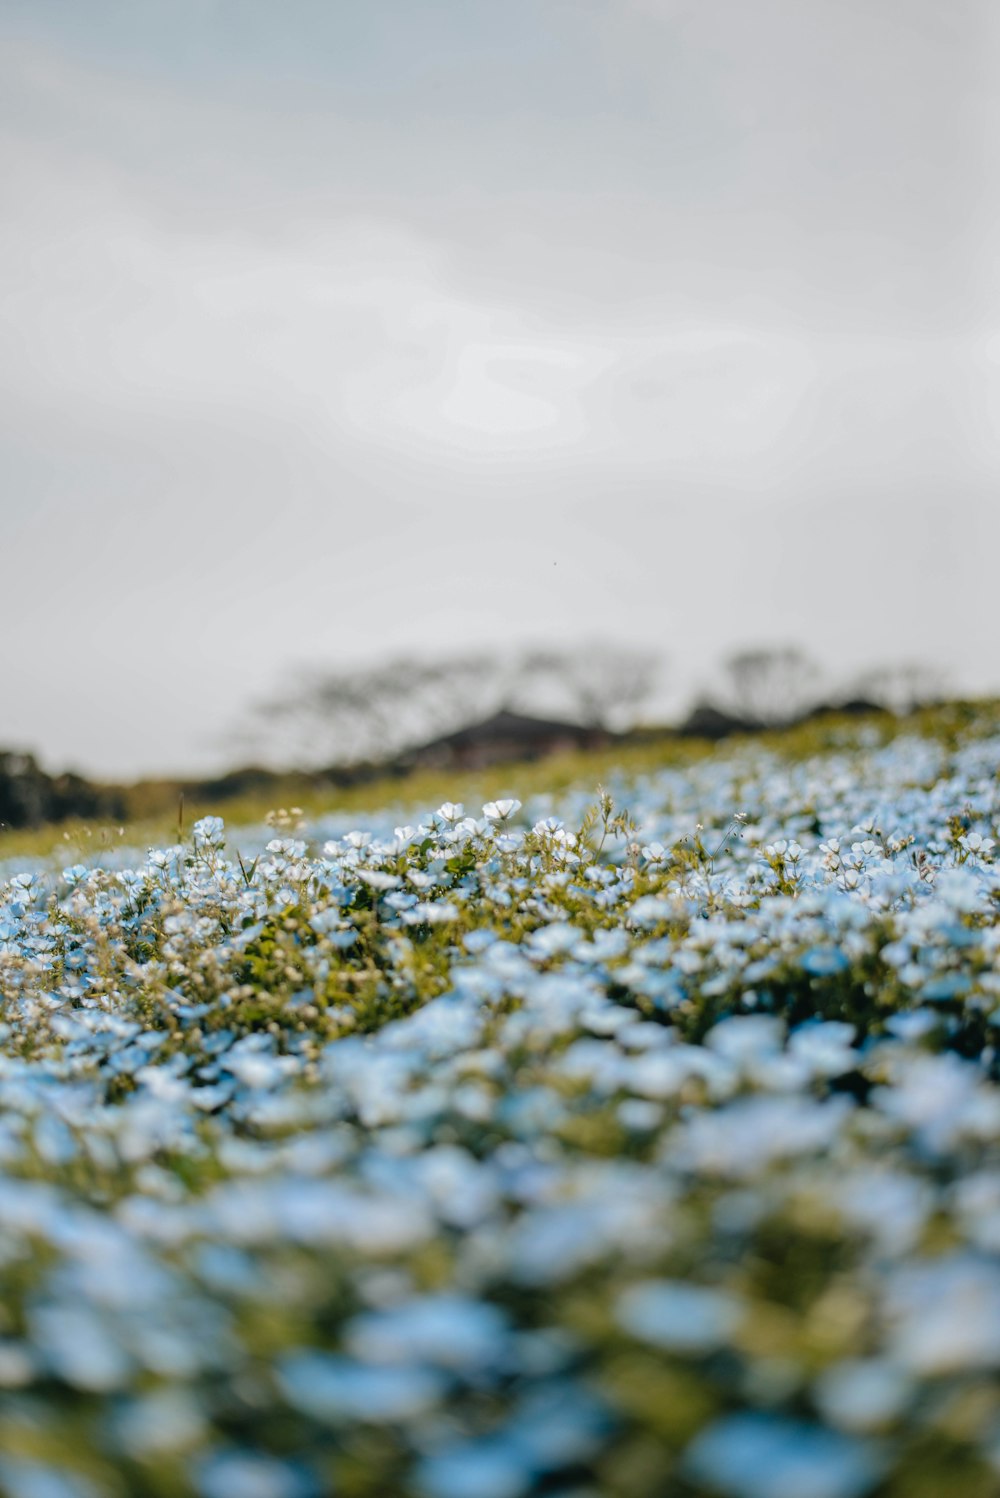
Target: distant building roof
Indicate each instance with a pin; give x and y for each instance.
(506, 734)
(507, 724)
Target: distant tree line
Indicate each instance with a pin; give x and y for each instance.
(372, 713)
(30, 797)
(365, 714)
(339, 726)
(770, 686)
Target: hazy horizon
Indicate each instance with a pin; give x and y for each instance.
(348, 331)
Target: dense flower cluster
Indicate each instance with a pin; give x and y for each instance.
(554, 1149)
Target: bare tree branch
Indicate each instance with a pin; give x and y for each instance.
(902, 686)
(770, 685)
(373, 712)
(598, 683)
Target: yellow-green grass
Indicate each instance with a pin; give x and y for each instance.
(425, 789)
(420, 790)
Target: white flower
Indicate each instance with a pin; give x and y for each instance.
(547, 825)
(379, 879)
(974, 842)
(431, 913)
(499, 811)
(209, 832)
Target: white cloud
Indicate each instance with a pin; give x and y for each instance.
(353, 330)
(279, 371)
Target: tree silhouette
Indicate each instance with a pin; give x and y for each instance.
(365, 713)
(770, 685)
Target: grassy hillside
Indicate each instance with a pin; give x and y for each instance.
(635, 1143)
(158, 808)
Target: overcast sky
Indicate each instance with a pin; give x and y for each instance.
(335, 329)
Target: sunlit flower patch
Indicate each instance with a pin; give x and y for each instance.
(644, 1146)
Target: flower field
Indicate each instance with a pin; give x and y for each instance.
(632, 1144)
